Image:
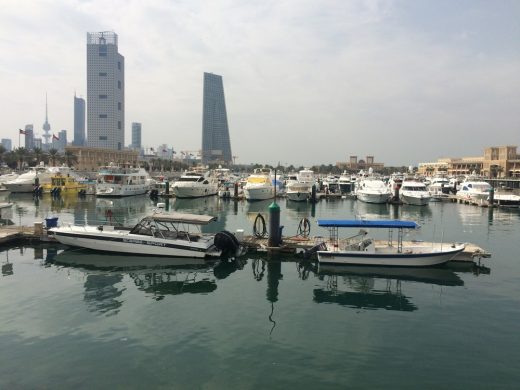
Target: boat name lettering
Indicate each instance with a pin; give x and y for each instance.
(133, 241)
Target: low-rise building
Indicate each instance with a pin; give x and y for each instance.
(90, 159)
(355, 165)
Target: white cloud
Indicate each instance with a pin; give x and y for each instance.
(305, 81)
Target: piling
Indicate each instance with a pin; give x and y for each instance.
(235, 193)
(313, 193)
(167, 189)
(275, 232)
(491, 199)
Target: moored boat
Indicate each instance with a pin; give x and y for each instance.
(122, 181)
(259, 185)
(194, 184)
(363, 250)
(159, 234)
(414, 192)
(372, 190)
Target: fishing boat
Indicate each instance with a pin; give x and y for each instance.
(363, 250)
(114, 180)
(159, 234)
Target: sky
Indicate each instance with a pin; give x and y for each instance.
(306, 82)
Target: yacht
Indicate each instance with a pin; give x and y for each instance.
(159, 234)
(372, 190)
(195, 184)
(259, 185)
(474, 190)
(439, 188)
(345, 183)
(414, 192)
(7, 177)
(115, 180)
(299, 190)
(37, 176)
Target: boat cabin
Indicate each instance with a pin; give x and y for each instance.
(173, 226)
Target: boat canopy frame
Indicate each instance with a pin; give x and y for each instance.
(333, 226)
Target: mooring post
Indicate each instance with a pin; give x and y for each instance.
(235, 194)
(491, 199)
(275, 233)
(167, 190)
(313, 193)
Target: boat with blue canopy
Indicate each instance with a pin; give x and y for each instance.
(360, 249)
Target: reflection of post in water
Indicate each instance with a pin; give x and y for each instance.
(395, 210)
(235, 206)
(7, 268)
(313, 210)
(274, 275)
(490, 215)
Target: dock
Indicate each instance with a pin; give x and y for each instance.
(294, 245)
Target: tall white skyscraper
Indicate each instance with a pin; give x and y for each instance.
(105, 92)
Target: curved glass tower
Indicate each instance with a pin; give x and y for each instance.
(216, 146)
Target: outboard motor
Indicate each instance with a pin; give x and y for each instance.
(227, 243)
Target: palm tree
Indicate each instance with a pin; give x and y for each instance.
(39, 155)
(21, 156)
(53, 156)
(70, 158)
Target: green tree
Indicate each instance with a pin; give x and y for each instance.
(54, 155)
(70, 158)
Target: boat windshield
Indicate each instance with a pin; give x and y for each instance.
(191, 178)
(414, 188)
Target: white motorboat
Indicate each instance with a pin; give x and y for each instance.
(362, 250)
(37, 176)
(507, 199)
(345, 183)
(259, 185)
(372, 190)
(194, 184)
(7, 177)
(414, 192)
(299, 190)
(115, 180)
(474, 190)
(439, 188)
(159, 234)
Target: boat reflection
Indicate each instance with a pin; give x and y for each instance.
(298, 209)
(123, 210)
(374, 288)
(364, 210)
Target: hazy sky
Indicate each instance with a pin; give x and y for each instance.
(306, 82)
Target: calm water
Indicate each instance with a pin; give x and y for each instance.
(77, 319)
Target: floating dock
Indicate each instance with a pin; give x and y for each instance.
(295, 245)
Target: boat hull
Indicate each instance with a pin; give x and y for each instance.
(413, 259)
(423, 200)
(123, 242)
(120, 190)
(373, 198)
(297, 196)
(194, 192)
(259, 193)
(19, 187)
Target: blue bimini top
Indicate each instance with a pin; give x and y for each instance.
(360, 223)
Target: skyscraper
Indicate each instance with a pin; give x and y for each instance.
(7, 144)
(136, 135)
(216, 146)
(79, 121)
(105, 92)
(29, 137)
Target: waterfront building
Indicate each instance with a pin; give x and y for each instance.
(136, 136)
(7, 144)
(29, 137)
(105, 92)
(497, 161)
(216, 145)
(46, 127)
(90, 159)
(79, 121)
(356, 164)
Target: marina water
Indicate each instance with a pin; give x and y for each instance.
(78, 319)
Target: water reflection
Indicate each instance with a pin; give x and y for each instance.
(122, 211)
(156, 276)
(363, 287)
(364, 210)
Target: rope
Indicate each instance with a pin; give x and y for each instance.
(259, 231)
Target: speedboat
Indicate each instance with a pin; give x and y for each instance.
(414, 192)
(115, 180)
(159, 234)
(372, 190)
(195, 185)
(30, 180)
(363, 250)
(259, 185)
(474, 190)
